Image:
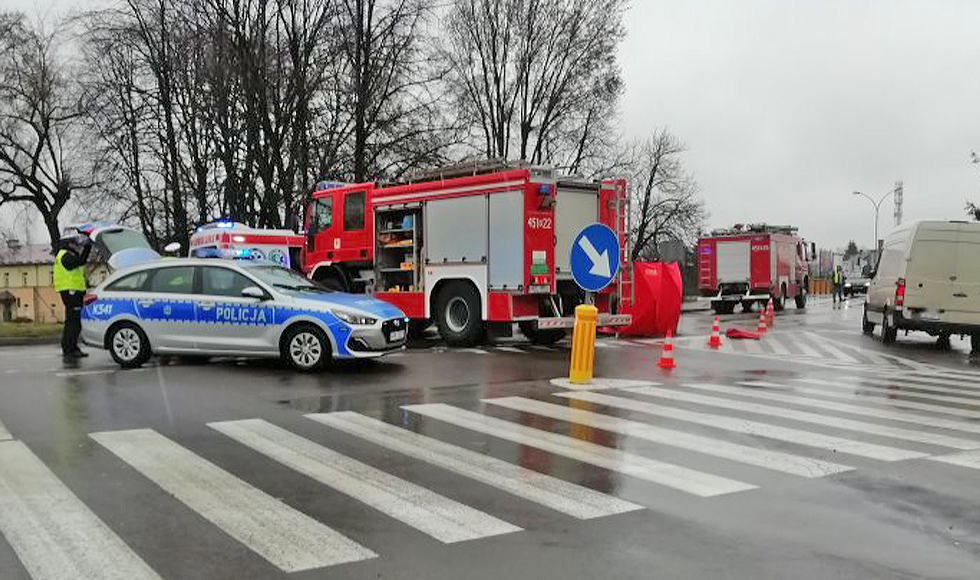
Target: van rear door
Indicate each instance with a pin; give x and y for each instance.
(931, 265)
(965, 303)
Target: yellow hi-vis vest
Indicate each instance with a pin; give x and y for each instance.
(65, 279)
(836, 277)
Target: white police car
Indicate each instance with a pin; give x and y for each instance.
(240, 308)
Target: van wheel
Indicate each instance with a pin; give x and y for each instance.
(867, 326)
(305, 347)
(529, 329)
(459, 315)
(888, 332)
(128, 345)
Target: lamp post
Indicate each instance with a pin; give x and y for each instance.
(877, 205)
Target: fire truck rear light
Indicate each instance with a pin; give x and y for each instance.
(89, 298)
(900, 292)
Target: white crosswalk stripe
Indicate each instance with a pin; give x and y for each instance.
(440, 517)
(667, 474)
(918, 385)
(873, 391)
(4, 434)
(282, 535)
(962, 385)
(551, 492)
(510, 349)
(888, 398)
(873, 385)
(830, 347)
(969, 459)
(52, 532)
(819, 418)
(775, 460)
(738, 425)
(905, 416)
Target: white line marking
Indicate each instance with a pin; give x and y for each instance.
(53, 533)
(98, 372)
(440, 517)
(559, 495)
(830, 347)
(775, 460)
(778, 348)
(807, 349)
(279, 533)
(667, 474)
(891, 391)
(472, 350)
(757, 428)
(599, 384)
(898, 403)
(753, 347)
(510, 349)
(969, 459)
(905, 416)
(820, 419)
(955, 385)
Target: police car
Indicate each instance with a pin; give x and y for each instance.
(240, 308)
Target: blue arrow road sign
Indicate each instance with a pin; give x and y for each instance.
(594, 257)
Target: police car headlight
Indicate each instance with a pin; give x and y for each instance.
(355, 319)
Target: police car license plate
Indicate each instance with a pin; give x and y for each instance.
(396, 335)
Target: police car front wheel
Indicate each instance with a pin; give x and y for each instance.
(128, 345)
(305, 347)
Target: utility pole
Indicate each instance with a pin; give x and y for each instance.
(899, 194)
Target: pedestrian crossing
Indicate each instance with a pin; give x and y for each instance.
(810, 348)
(705, 441)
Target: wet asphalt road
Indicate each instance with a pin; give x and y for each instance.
(815, 453)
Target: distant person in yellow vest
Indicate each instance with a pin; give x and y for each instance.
(69, 281)
(838, 285)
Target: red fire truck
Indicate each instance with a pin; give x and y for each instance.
(749, 264)
(468, 246)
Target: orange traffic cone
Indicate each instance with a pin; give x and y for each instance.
(762, 322)
(667, 357)
(770, 314)
(715, 340)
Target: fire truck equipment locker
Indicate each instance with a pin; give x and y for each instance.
(733, 261)
(507, 242)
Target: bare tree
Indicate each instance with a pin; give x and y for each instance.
(972, 209)
(536, 79)
(665, 201)
(42, 158)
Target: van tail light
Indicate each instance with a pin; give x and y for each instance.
(900, 292)
(89, 298)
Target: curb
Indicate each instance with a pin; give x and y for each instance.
(28, 340)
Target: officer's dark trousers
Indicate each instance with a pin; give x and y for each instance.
(73, 320)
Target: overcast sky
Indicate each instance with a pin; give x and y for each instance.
(787, 106)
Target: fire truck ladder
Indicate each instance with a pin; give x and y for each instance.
(476, 167)
(624, 288)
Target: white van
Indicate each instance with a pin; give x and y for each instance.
(927, 279)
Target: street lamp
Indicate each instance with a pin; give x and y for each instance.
(877, 205)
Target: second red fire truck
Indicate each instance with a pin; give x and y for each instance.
(750, 264)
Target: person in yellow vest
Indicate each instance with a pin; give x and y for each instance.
(69, 282)
(838, 285)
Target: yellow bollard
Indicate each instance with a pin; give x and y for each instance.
(583, 344)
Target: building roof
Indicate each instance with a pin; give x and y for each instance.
(28, 254)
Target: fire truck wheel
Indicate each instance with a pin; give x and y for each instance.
(333, 280)
(723, 307)
(801, 299)
(747, 305)
(779, 300)
(543, 337)
(458, 314)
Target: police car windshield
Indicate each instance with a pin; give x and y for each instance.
(284, 278)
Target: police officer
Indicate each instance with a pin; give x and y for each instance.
(838, 285)
(69, 281)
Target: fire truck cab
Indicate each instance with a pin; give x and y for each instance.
(749, 264)
(466, 247)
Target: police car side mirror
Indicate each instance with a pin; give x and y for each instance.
(254, 292)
